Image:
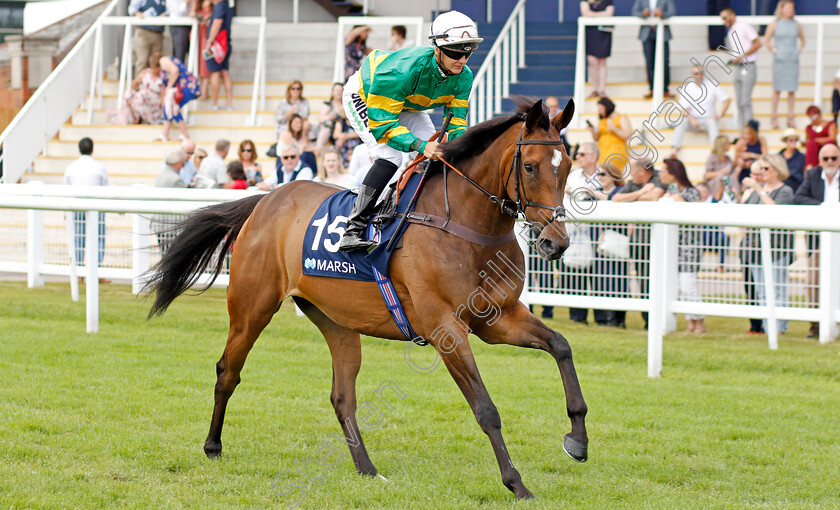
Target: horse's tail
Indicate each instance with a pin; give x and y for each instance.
(193, 249)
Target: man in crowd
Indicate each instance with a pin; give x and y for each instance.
(290, 168)
(822, 184)
(187, 173)
(740, 36)
(699, 98)
(647, 34)
(214, 167)
(148, 39)
(169, 175)
(86, 171)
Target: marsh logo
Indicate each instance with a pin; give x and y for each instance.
(335, 266)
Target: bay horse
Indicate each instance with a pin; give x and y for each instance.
(512, 160)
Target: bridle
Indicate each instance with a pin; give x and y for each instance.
(521, 202)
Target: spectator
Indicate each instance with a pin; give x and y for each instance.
(293, 104)
(719, 166)
(795, 159)
(219, 29)
(598, 44)
(553, 105)
(750, 255)
(331, 112)
(248, 159)
(236, 176)
(290, 168)
(681, 190)
(189, 170)
(169, 175)
(332, 170)
(784, 30)
(180, 34)
(355, 49)
(213, 168)
(746, 69)
(398, 40)
(613, 129)
(144, 99)
(346, 139)
(360, 163)
(581, 185)
(772, 190)
(817, 134)
(717, 33)
(713, 239)
(644, 185)
(835, 97)
(820, 185)
(647, 34)
(294, 132)
(702, 114)
(179, 82)
(148, 39)
(199, 156)
(749, 147)
(611, 270)
(204, 8)
(86, 171)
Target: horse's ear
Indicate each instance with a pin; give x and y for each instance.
(563, 118)
(535, 114)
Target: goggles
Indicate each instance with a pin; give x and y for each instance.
(458, 51)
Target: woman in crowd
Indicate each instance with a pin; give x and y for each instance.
(202, 14)
(346, 139)
(332, 170)
(331, 112)
(719, 167)
(772, 190)
(219, 27)
(749, 254)
(613, 129)
(355, 49)
(681, 190)
(296, 135)
(181, 88)
(598, 44)
(293, 104)
(749, 147)
(818, 133)
(610, 268)
(781, 39)
(248, 158)
(144, 100)
(795, 160)
(236, 176)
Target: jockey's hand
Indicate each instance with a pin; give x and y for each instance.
(433, 150)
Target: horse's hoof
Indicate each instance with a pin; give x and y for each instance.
(524, 494)
(574, 449)
(213, 451)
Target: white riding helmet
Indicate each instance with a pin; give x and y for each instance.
(456, 31)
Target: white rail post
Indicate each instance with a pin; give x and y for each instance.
(125, 65)
(818, 72)
(515, 62)
(140, 244)
(659, 66)
(95, 66)
(497, 82)
(521, 21)
(829, 289)
(34, 247)
(523, 238)
(769, 288)
(71, 249)
(506, 66)
(92, 281)
(662, 291)
(295, 11)
(580, 74)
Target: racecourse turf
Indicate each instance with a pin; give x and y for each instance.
(118, 418)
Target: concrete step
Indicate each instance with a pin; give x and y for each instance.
(197, 118)
(205, 135)
(314, 89)
(139, 149)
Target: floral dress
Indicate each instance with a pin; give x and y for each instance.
(145, 103)
(188, 84)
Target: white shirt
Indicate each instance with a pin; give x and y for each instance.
(214, 167)
(577, 180)
(305, 174)
(360, 162)
(831, 192)
(86, 171)
(177, 8)
(706, 107)
(746, 36)
(652, 6)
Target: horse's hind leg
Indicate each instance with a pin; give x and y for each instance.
(249, 314)
(346, 351)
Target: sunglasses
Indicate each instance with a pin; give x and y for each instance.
(247, 150)
(296, 88)
(289, 157)
(580, 154)
(455, 55)
(829, 158)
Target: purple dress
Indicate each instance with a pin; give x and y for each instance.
(189, 86)
(599, 38)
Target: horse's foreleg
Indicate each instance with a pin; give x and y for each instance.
(346, 351)
(248, 317)
(521, 328)
(460, 362)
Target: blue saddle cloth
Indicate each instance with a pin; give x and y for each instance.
(321, 256)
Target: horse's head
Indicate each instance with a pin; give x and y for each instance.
(538, 177)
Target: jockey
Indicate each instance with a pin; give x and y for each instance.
(385, 99)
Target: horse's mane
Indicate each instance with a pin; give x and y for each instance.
(479, 137)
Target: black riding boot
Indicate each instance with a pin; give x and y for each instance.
(357, 222)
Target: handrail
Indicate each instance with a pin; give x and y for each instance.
(658, 86)
(492, 80)
(21, 142)
(345, 21)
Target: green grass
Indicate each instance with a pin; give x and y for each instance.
(118, 418)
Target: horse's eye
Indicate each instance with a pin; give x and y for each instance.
(529, 168)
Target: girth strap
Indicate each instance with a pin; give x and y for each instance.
(459, 230)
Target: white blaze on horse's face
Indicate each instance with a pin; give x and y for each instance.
(557, 159)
